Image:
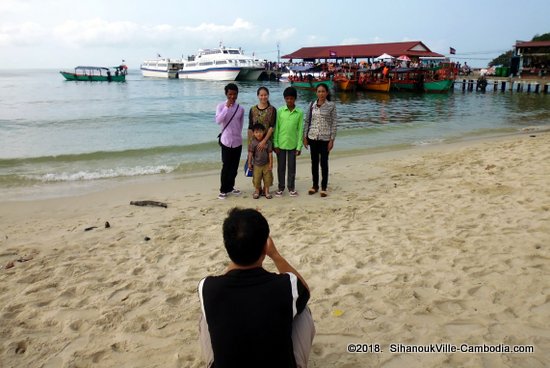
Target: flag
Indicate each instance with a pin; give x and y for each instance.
(452, 51)
(332, 53)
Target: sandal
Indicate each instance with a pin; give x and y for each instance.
(268, 196)
(256, 195)
(324, 193)
(313, 190)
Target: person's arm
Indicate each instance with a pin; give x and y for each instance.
(305, 129)
(270, 153)
(221, 113)
(333, 126)
(280, 262)
(250, 124)
(249, 160)
(300, 134)
(276, 135)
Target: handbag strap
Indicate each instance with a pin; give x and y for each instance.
(229, 122)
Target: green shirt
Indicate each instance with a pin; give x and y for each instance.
(289, 129)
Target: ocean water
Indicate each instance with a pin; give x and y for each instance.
(54, 131)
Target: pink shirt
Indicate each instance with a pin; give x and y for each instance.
(232, 135)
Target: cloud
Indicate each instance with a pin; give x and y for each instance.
(13, 6)
(211, 28)
(24, 34)
(280, 34)
(96, 32)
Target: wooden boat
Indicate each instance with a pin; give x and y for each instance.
(419, 80)
(344, 83)
(377, 85)
(96, 74)
(372, 81)
(310, 82)
(309, 77)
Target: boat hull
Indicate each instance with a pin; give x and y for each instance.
(345, 85)
(172, 74)
(249, 74)
(214, 74)
(436, 86)
(312, 85)
(93, 78)
(377, 86)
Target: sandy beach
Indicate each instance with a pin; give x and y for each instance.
(444, 244)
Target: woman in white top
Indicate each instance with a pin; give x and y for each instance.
(319, 134)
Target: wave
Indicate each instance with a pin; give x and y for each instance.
(110, 155)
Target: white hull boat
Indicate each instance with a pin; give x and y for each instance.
(161, 68)
(221, 64)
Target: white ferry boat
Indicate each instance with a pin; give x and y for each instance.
(161, 68)
(221, 63)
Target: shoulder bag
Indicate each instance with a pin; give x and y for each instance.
(226, 125)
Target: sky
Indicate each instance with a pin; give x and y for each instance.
(63, 33)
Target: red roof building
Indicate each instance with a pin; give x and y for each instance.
(531, 58)
(372, 50)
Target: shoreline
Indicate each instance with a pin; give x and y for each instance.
(62, 189)
(436, 244)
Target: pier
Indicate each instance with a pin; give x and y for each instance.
(539, 85)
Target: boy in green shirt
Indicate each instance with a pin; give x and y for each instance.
(287, 141)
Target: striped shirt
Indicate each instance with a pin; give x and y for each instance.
(320, 123)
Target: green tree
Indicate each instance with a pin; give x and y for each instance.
(544, 37)
(502, 59)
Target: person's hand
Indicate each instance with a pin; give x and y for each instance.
(330, 145)
(277, 151)
(261, 145)
(298, 153)
(306, 143)
(270, 249)
(250, 167)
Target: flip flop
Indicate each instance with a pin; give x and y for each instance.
(268, 196)
(312, 191)
(256, 195)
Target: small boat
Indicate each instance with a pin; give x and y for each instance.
(305, 77)
(97, 74)
(161, 68)
(311, 84)
(420, 80)
(370, 80)
(222, 64)
(344, 82)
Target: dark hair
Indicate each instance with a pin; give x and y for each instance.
(259, 89)
(245, 233)
(290, 91)
(326, 89)
(258, 126)
(231, 87)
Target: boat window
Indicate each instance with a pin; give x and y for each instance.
(206, 63)
(191, 64)
(234, 52)
(221, 62)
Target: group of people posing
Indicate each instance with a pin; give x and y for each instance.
(285, 131)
